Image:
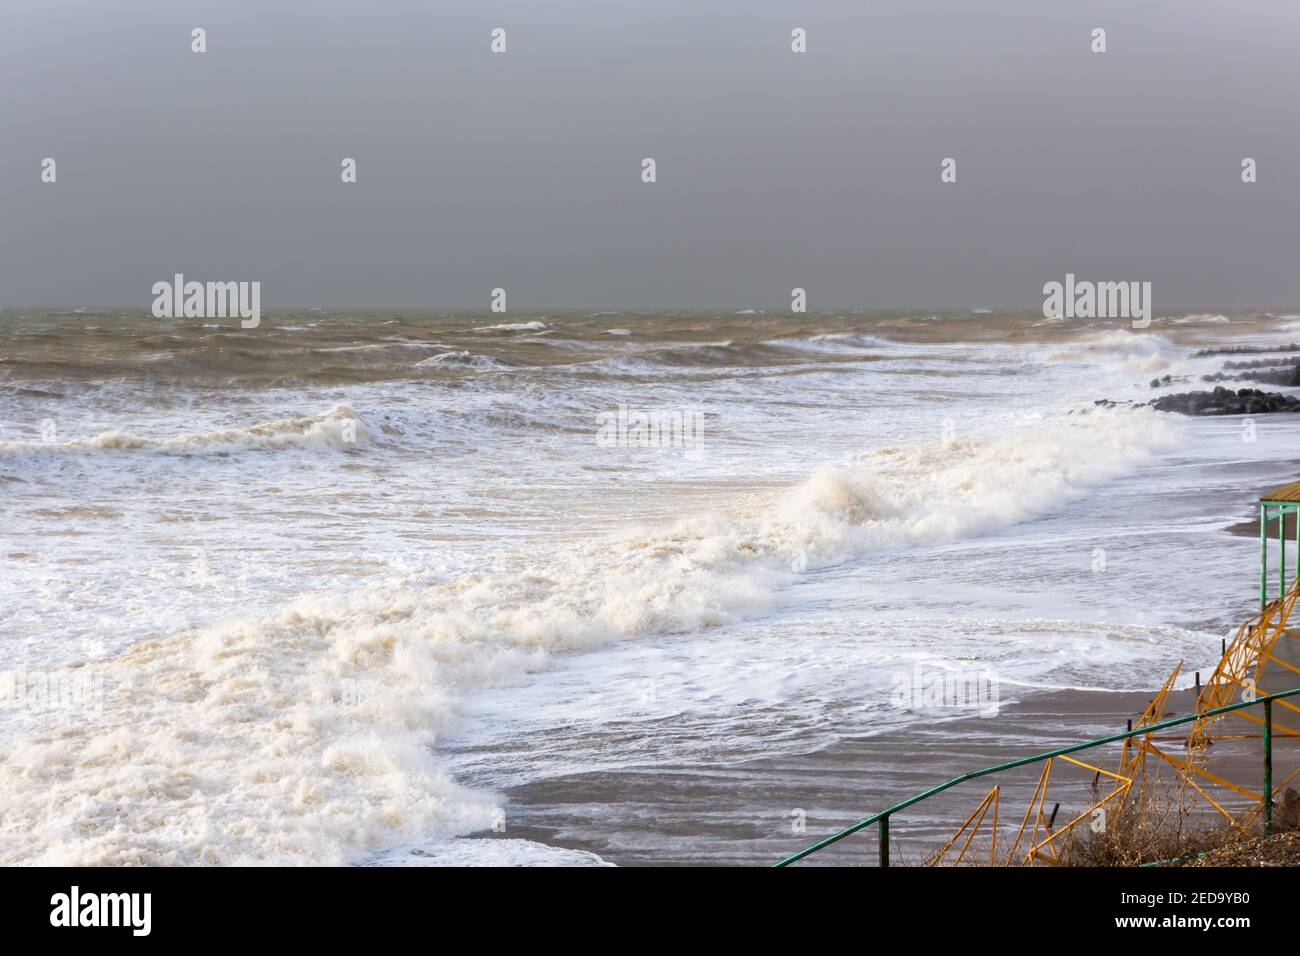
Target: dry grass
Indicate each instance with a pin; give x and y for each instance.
(1280, 849)
(1164, 821)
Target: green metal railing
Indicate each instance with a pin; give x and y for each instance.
(882, 818)
(1268, 511)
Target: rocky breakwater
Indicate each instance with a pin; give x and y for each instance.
(1225, 401)
(1268, 365)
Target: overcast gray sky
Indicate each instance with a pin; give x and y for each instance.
(775, 169)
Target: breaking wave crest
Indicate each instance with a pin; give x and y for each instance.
(459, 359)
(1114, 344)
(336, 429)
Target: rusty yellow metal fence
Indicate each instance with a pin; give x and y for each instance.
(883, 817)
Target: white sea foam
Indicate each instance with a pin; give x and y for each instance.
(1202, 318)
(458, 359)
(850, 342)
(309, 735)
(1138, 351)
(513, 327)
(488, 852)
(946, 491)
(336, 429)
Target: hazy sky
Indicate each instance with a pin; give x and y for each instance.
(775, 169)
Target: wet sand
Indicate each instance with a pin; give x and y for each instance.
(744, 815)
(1249, 527)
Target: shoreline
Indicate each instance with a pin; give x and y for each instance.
(743, 815)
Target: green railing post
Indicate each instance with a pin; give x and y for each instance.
(884, 840)
(1281, 551)
(1268, 766)
(1263, 555)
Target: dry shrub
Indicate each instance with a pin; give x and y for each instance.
(1163, 821)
